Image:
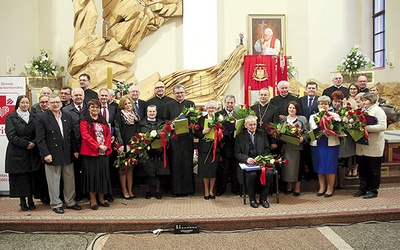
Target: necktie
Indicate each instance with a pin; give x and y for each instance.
(105, 112)
(310, 102)
(79, 108)
(252, 138)
(137, 109)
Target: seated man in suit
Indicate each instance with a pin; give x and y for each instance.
(249, 144)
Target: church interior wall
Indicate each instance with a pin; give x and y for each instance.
(319, 34)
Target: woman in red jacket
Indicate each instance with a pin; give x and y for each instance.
(95, 149)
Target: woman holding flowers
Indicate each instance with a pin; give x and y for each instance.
(354, 89)
(299, 127)
(126, 123)
(153, 168)
(370, 156)
(324, 150)
(210, 130)
(95, 149)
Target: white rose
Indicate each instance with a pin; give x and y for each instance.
(220, 118)
(153, 133)
(272, 161)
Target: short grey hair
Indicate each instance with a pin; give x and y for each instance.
(250, 118)
(178, 86)
(230, 96)
(324, 98)
(368, 96)
(211, 104)
(283, 83)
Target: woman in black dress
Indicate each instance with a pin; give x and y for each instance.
(207, 168)
(95, 149)
(22, 156)
(126, 125)
(153, 168)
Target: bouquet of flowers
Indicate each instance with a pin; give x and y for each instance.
(268, 162)
(329, 124)
(43, 65)
(354, 61)
(353, 122)
(161, 137)
(140, 144)
(242, 112)
(122, 89)
(287, 132)
(192, 115)
(123, 161)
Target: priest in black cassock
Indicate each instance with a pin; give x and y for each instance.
(160, 100)
(181, 150)
(282, 100)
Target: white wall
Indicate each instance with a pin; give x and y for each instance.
(319, 34)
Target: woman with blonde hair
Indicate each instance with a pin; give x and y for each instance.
(375, 91)
(126, 126)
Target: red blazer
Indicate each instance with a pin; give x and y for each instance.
(89, 144)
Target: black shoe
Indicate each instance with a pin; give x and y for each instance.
(75, 207)
(31, 206)
(45, 200)
(109, 198)
(206, 197)
(148, 195)
(359, 193)
(264, 204)
(328, 195)
(212, 197)
(319, 194)
(288, 191)
(105, 204)
(94, 207)
(296, 194)
(370, 195)
(253, 204)
(58, 210)
(24, 207)
(158, 195)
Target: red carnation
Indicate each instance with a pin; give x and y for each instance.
(201, 108)
(147, 142)
(197, 127)
(286, 161)
(168, 124)
(267, 127)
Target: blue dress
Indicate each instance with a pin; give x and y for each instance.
(324, 157)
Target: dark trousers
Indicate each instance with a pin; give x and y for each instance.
(369, 169)
(227, 171)
(253, 181)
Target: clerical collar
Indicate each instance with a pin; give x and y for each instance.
(264, 104)
(151, 119)
(179, 101)
(160, 97)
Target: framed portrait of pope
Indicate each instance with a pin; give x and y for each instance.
(266, 34)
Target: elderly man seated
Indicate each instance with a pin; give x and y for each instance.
(248, 145)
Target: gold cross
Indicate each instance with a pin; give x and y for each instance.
(261, 123)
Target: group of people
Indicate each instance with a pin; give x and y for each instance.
(74, 138)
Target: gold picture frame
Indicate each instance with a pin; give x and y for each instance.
(257, 25)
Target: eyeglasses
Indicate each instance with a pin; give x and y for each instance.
(55, 102)
(43, 102)
(159, 87)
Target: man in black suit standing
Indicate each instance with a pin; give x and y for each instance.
(57, 145)
(309, 106)
(108, 112)
(266, 112)
(282, 100)
(228, 166)
(249, 144)
(159, 100)
(138, 104)
(337, 81)
(84, 81)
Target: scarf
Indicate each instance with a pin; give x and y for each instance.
(23, 114)
(129, 117)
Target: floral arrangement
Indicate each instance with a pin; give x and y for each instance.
(329, 124)
(268, 162)
(286, 132)
(242, 112)
(43, 65)
(353, 122)
(192, 114)
(122, 89)
(291, 70)
(354, 61)
(123, 161)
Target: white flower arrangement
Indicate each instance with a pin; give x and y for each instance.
(354, 61)
(43, 65)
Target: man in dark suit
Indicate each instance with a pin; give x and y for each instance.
(362, 82)
(84, 81)
(159, 100)
(74, 109)
(36, 108)
(228, 166)
(337, 81)
(108, 112)
(57, 146)
(309, 106)
(282, 100)
(249, 144)
(266, 112)
(138, 104)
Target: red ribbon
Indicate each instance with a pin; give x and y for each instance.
(218, 134)
(263, 177)
(164, 145)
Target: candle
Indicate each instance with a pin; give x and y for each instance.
(271, 92)
(301, 92)
(109, 77)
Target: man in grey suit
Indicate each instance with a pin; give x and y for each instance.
(57, 146)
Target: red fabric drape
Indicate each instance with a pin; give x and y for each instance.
(272, 67)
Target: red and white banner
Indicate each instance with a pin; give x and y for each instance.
(10, 88)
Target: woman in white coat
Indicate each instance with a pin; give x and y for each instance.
(370, 156)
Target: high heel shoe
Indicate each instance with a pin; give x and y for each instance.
(329, 195)
(212, 197)
(296, 194)
(94, 207)
(105, 204)
(207, 197)
(320, 194)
